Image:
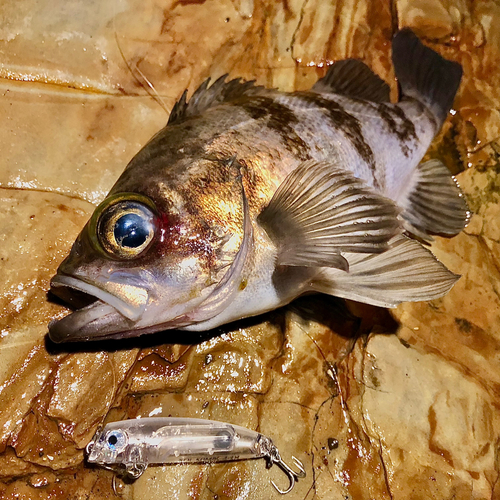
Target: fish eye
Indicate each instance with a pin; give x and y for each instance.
(116, 440)
(125, 228)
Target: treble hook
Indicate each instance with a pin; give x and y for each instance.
(293, 477)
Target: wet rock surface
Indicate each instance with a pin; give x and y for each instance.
(376, 404)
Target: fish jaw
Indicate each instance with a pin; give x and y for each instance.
(129, 304)
(94, 322)
(129, 300)
(119, 306)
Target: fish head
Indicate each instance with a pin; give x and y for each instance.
(149, 258)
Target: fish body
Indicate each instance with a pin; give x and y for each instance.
(250, 197)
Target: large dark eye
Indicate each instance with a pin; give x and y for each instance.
(126, 228)
(132, 230)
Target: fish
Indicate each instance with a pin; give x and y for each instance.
(250, 197)
(134, 444)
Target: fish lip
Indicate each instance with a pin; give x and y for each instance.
(92, 322)
(130, 309)
(108, 316)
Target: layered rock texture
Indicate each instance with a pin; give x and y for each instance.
(377, 404)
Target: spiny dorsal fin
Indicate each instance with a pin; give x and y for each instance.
(205, 97)
(355, 79)
(321, 210)
(406, 272)
(434, 203)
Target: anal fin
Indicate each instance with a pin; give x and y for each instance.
(321, 210)
(406, 272)
(434, 203)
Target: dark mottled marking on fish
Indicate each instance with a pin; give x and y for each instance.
(420, 108)
(348, 124)
(280, 119)
(252, 180)
(399, 125)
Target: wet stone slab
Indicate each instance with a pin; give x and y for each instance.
(376, 404)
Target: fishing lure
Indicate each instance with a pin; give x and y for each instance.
(134, 444)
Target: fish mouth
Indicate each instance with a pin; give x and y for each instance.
(111, 309)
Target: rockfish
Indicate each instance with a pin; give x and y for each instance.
(250, 197)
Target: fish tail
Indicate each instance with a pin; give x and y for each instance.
(424, 75)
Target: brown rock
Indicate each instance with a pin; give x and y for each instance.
(375, 408)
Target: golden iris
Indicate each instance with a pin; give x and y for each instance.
(124, 225)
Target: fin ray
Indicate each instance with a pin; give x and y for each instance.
(321, 210)
(353, 78)
(406, 272)
(435, 203)
(206, 96)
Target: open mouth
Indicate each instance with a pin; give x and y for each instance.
(106, 313)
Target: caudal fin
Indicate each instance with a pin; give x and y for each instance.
(424, 75)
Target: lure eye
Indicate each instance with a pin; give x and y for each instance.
(116, 440)
(126, 228)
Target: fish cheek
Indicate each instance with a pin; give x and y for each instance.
(182, 255)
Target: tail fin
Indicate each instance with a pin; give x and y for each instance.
(424, 75)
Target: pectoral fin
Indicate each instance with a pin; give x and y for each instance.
(321, 210)
(434, 204)
(406, 272)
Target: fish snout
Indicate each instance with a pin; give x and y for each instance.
(109, 305)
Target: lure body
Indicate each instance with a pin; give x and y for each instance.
(144, 441)
(134, 444)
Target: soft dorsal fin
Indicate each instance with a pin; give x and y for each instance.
(205, 97)
(321, 210)
(355, 79)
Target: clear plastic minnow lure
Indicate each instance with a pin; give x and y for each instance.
(135, 444)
